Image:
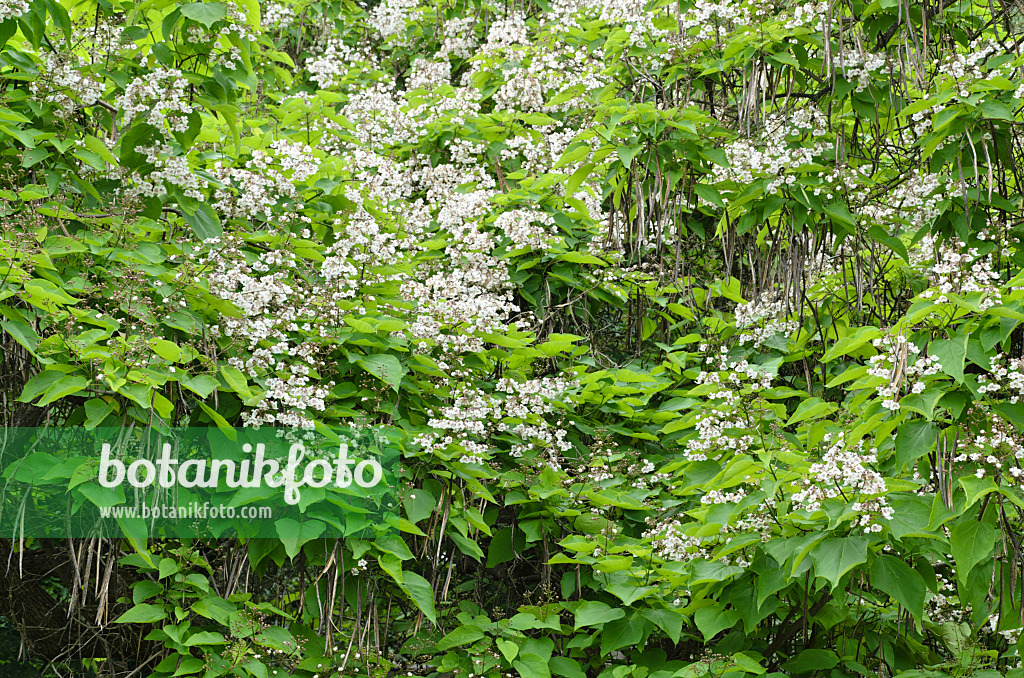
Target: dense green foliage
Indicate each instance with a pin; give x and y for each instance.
(699, 323)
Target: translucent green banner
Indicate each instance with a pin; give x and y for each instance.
(198, 482)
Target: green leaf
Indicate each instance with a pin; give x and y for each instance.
(851, 343)
(419, 590)
(951, 354)
(627, 153)
(899, 580)
(566, 666)
(205, 638)
(294, 534)
(205, 13)
(669, 621)
(96, 410)
(532, 666)
(45, 294)
(385, 367)
(419, 505)
(970, 543)
(460, 636)
(167, 350)
(621, 633)
(65, 386)
(236, 380)
(913, 440)
(812, 408)
(709, 194)
(168, 566)
(26, 336)
(202, 385)
(144, 613)
(811, 660)
(712, 620)
(203, 220)
(578, 177)
(99, 148)
(219, 421)
(508, 649)
(993, 108)
(834, 557)
(594, 613)
(840, 215)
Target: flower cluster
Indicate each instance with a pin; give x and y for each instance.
(903, 369)
(960, 272)
(523, 409)
(389, 19)
(459, 39)
(245, 192)
(995, 452)
(846, 473)
(527, 229)
(762, 318)
(270, 307)
(716, 425)
(1006, 376)
(859, 66)
(167, 169)
(10, 9)
(159, 98)
(335, 61)
(773, 151)
(64, 83)
(277, 14)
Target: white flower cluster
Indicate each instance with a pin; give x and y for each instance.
(960, 272)
(10, 9)
(523, 409)
(168, 167)
(63, 82)
(428, 74)
(635, 18)
(967, 66)
(671, 543)
(714, 438)
(944, 605)
(1007, 377)
(995, 453)
(101, 38)
(337, 59)
(914, 201)
(763, 318)
(508, 31)
(549, 71)
(771, 153)
(719, 497)
(248, 191)
(159, 98)
(860, 66)
(708, 21)
(846, 473)
(808, 15)
(362, 247)
(277, 15)
(899, 364)
(459, 39)
(274, 297)
(1011, 636)
(389, 19)
(238, 22)
(378, 115)
(527, 229)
